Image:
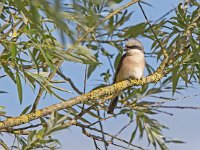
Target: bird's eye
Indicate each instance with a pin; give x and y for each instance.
(133, 47)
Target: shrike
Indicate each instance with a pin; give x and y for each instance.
(131, 65)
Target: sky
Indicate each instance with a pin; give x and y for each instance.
(183, 125)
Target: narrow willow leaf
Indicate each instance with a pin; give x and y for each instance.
(133, 135)
(135, 30)
(45, 55)
(3, 92)
(2, 28)
(84, 53)
(19, 87)
(34, 61)
(175, 78)
(175, 141)
(9, 72)
(13, 50)
(195, 50)
(91, 69)
(1, 8)
(59, 88)
(25, 110)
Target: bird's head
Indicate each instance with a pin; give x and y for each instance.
(134, 44)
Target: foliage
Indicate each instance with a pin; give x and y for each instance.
(31, 52)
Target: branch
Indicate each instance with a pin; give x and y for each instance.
(112, 136)
(41, 90)
(159, 42)
(69, 81)
(91, 96)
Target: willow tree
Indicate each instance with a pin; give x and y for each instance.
(37, 37)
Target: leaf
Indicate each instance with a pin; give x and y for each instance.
(34, 61)
(175, 141)
(13, 50)
(195, 50)
(3, 92)
(19, 87)
(175, 78)
(9, 72)
(25, 19)
(25, 110)
(59, 88)
(2, 28)
(84, 53)
(1, 8)
(162, 145)
(133, 135)
(45, 55)
(130, 114)
(70, 57)
(135, 30)
(2, 107)
(153, 91)
(91, 69)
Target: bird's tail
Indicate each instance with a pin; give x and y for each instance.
(112, 105)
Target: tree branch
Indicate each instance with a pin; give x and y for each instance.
(91, 96)
(41, 90)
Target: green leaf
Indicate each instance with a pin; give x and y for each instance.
(91, 69)
(130, 114)
(175, 78)
(135, 30)
(45, 55)
(175, 141)
(2, 28)
(25, 110)
(195, 50)
(1, 8)
(84, 53)
(2, 107)
(19, 87)
(34, 61)
(133, 135)
(9, 72)
(13, 50)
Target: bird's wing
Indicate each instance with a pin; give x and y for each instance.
(119, 67)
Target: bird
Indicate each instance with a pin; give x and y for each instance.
(131, 66)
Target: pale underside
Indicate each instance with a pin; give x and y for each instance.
(132, 66)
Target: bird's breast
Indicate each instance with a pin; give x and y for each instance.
(132, 67)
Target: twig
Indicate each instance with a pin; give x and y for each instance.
(121, 140)
(95, 144)
(70, 82)
(122, 129)
(111, 66)
(180, 98)
(101, 128)
(102, 119)
(177, 107)
(85, 83)
(15, 131)
(160, 44)
(165, 15)
(105, 41)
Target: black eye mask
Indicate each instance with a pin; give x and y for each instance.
(133, 47)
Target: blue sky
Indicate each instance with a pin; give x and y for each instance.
(184, 124)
